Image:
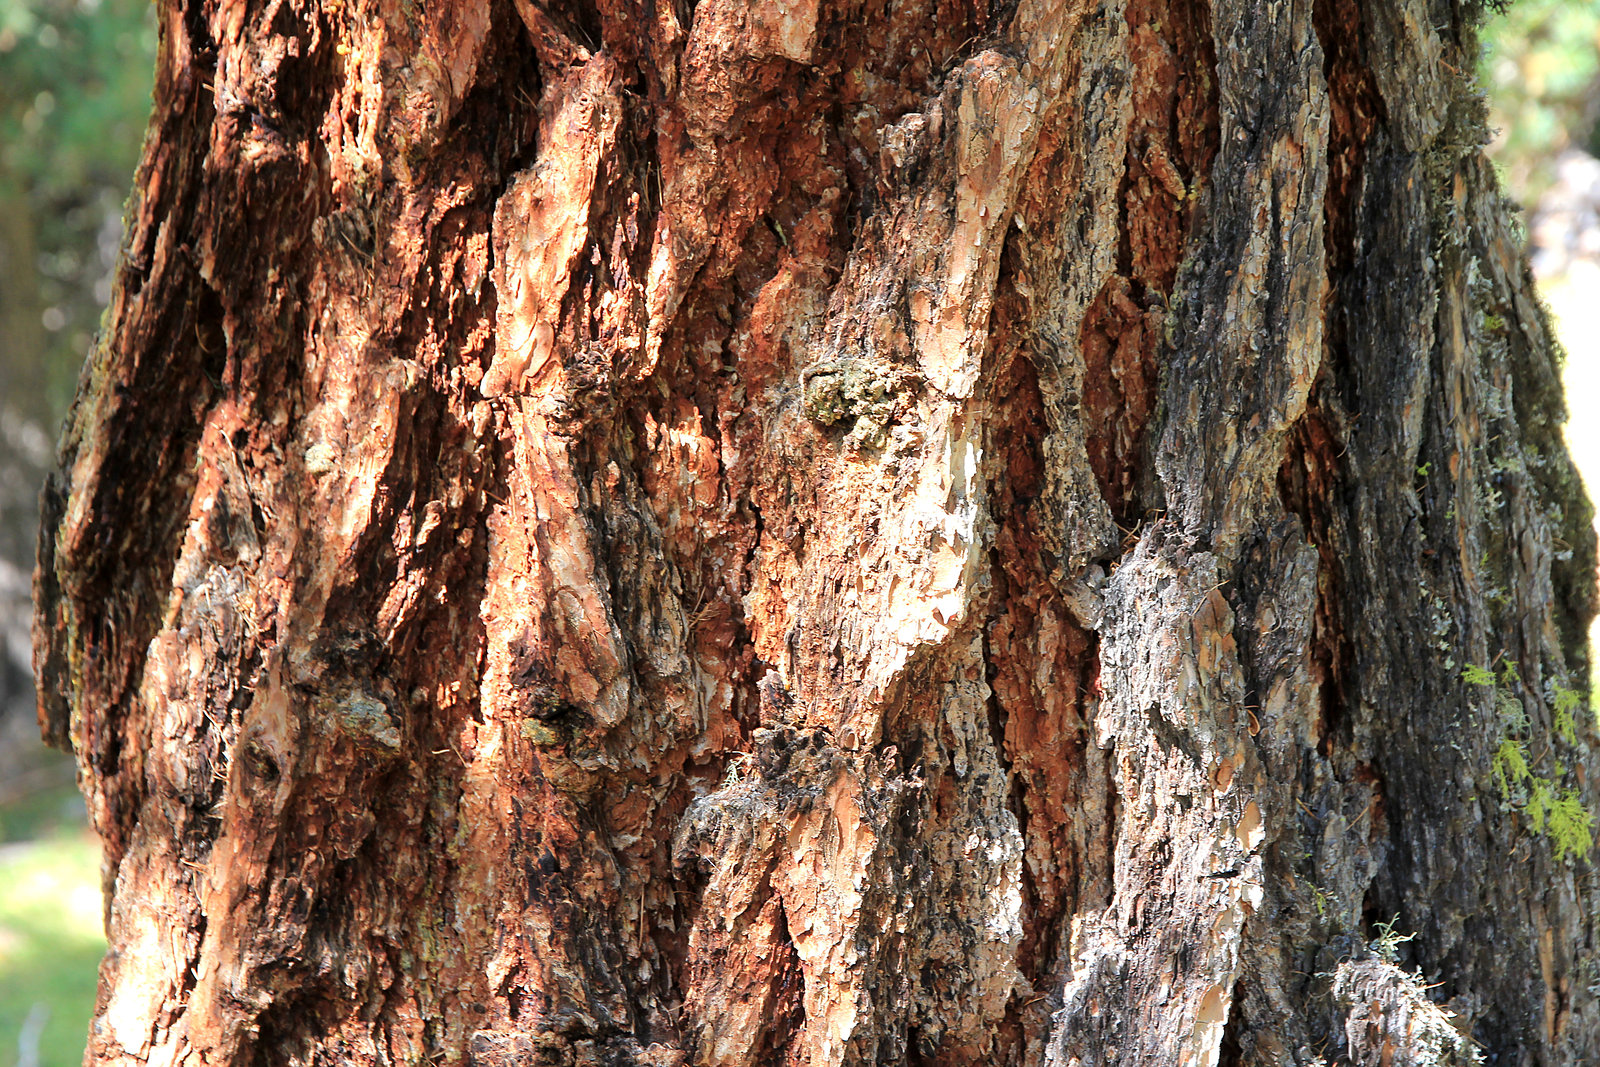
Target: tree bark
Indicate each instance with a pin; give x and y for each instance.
(826, 533)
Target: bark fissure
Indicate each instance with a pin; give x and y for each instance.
(1309, 481)
(1170, 145)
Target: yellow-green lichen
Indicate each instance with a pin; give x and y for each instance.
(862, 390)
(1557, 813)
(539, 733)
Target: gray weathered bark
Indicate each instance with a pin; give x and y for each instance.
(826, 533)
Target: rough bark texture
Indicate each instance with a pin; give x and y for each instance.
(823, 533)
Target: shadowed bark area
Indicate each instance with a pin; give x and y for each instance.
(825, 533)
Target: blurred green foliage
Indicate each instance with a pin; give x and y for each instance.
(75, 79)
(1541, 66)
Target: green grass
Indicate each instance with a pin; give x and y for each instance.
(50, 943)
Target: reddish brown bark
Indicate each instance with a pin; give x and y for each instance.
(819, 534)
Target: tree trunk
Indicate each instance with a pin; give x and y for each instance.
(826, 534)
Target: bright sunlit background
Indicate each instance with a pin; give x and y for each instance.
(74, 95)
(1542, 71)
